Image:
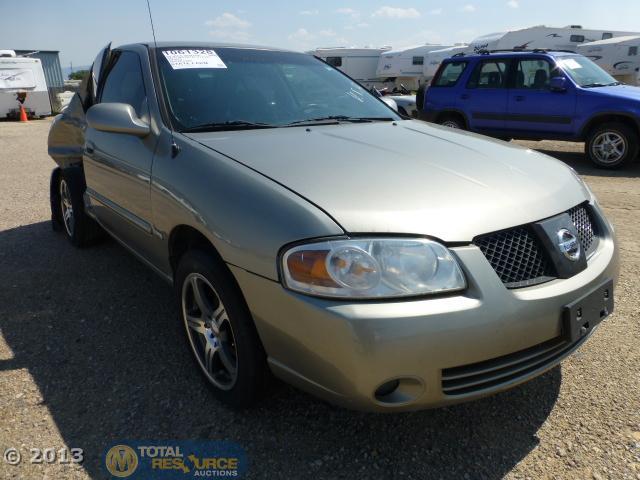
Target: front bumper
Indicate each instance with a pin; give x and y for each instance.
(344, 351)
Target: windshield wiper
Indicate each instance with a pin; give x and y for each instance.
(333, 119)
(224, 126)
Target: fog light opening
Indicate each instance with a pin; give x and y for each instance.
(386, 389)
(399, 391)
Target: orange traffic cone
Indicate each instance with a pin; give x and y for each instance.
(23, 114)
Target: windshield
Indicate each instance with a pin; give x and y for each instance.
(586, 73)
(236, 88)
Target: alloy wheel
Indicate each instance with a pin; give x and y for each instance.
(450, 124)
(609, 147)
(209, 331)
(66, 207)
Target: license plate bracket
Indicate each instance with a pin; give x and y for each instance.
(582, 315)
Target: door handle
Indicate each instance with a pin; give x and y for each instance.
(520, 98)
(465, 96)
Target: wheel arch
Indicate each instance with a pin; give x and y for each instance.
(610, 117)
(186, 237)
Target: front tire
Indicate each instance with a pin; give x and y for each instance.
(219, 329)
(612, 145)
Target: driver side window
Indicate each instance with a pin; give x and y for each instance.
(124, 82)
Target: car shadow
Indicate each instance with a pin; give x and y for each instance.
(583, 165)
(99, 335)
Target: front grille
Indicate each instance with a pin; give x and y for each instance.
(519, 258)
(479, 376)
(581, 218)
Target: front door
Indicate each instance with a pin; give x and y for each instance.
(118, 166)
(535, 109)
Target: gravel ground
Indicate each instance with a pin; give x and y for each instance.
(89, 355)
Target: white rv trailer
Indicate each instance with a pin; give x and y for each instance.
(434, 58)
(567, 38)
(22, 75)
(620, 56)
(359, 63)
(406, 66)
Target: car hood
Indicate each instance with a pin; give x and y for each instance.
(407, 176)
(626, 92)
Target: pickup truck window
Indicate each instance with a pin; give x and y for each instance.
(258, 88)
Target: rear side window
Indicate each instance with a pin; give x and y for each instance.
(607, 36)
(417, 61)
(576, 38)
(449, 74)
(334, 61)
(633, 51)
(533, 74)
(489, 74)
(124, 83)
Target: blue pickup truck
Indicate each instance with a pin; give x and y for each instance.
(538, 95)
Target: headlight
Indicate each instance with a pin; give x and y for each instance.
(372, 268)
(587, 190)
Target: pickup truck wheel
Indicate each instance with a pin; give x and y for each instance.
(80, 229)
(219, 330)
(612, 145)
(451, 122)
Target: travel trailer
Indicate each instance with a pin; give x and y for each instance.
(22, 76)
(434, 58)
(406, 66)
(620, 56)
(359, 63)
(567, 38)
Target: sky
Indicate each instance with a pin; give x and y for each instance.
(80, 28)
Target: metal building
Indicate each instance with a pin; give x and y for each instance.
(52, 72)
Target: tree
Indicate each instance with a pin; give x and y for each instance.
(78, 75)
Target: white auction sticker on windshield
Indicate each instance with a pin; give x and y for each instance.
(191, 58)
(571, 63)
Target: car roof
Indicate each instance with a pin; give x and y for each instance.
(512, 53)
(201, 45)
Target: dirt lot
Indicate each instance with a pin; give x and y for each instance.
(90, 353)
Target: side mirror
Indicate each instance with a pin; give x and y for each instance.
(558, 84)
(116, 118)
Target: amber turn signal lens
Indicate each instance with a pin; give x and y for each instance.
(309, 266)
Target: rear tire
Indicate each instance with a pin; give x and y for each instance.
(219, 330)
(452, 121)
(612, 145)
(68, 209)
